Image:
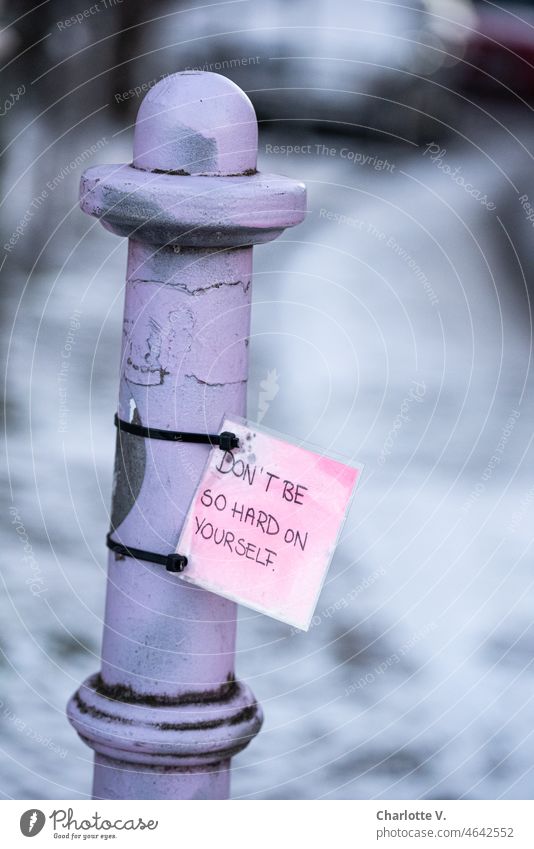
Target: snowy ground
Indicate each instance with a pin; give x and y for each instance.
(397, 322)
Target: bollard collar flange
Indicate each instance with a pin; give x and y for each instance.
(195, 211)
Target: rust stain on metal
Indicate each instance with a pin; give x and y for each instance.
(244, 715)
(121, 693)
(248, 173)
(179, 172)
(95, 712)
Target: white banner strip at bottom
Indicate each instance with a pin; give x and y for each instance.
(359, 824)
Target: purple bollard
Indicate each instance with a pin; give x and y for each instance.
(165, 714)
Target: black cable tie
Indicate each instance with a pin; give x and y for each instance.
(226, 440)
(172, 562)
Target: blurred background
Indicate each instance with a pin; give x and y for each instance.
(394, 326)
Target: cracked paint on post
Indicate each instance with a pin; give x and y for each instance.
(165, 713)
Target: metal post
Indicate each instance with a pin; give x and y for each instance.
(165, 714)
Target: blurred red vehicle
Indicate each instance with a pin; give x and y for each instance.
(499, 56)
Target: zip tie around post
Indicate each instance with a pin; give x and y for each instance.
(226, 441)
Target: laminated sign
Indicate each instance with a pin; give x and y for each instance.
(264, 522)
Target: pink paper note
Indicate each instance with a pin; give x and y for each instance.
(264, 522)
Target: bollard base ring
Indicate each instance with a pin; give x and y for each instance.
(175, 733)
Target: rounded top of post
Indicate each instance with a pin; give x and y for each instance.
(195, 122)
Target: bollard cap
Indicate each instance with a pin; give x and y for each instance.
(193, 181)
(195, 122)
